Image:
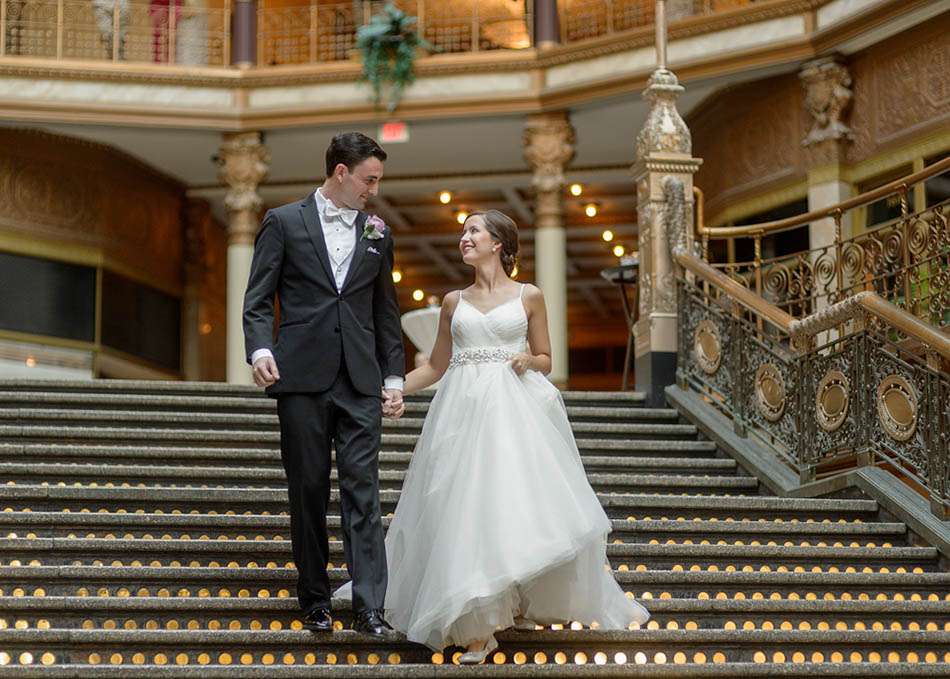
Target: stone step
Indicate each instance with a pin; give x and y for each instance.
(121, 581)
(554, 665)
(235, 406)
(632, 506)
(241, 478)
(221, 389)
(237, 457)
(210, 552)
(396, 449)
(270, 647)
(265, 613)
(683, 530)
(84, 428)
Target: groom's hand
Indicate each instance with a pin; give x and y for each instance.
(265, 371)
(393, 405)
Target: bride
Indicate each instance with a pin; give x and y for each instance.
(496, 525)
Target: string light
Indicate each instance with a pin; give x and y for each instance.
(590, 209)
(619, 251)
(445, 197)
(397, 275)
(607, 235)
(461, 216)
(418, 295)
(576, 189)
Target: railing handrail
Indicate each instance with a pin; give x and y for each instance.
(833, 315)
(763, 228)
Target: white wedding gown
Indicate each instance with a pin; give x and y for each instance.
(496, 518)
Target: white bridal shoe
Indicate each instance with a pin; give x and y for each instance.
(478, 657)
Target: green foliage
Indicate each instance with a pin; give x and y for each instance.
(388, 44)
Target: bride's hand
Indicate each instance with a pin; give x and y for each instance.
(520, 363)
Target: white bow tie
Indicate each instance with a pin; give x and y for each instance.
(348, 216)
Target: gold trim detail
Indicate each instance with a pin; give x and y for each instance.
(770, 392)
(707, 345)
(897, 407)
(832, 400)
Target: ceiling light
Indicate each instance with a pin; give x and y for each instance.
(619, 251)
(576, 189)
(607, 235)
(397, 275)
(30, 362)
(461, 216)
(418, 295)
(445, 197)
(590, 209)
(206, 328)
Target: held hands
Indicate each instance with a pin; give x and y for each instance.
(393, 405)
(521, 363)
(265, 371)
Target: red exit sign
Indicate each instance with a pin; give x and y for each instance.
(393, 132)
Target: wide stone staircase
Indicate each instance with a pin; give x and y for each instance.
(143, 531)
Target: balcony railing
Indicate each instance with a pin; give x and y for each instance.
(189, 32)
(199, 32)
(586, 19)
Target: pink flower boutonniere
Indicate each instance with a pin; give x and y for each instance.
(375, 228)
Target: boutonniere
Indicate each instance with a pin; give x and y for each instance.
(375, 228)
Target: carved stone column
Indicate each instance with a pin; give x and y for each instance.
(243, 162)
(664, 150)
(197, 220)
(827, 98)
(548, 148)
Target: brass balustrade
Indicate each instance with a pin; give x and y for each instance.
(183, 32)
(905, 260)
(198, 32)
(860, 381)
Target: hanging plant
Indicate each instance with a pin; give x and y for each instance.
(388, 44)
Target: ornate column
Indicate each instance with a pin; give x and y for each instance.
(549, 147)
(827, 98)
(243, 162)
(547, 27)
(664, 150)
(197, 220)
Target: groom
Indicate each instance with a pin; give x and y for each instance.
(331, 268)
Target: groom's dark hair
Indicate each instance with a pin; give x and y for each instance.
(351, 149)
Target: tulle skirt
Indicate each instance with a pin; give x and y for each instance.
(497, 519)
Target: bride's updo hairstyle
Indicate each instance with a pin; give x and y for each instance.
(504, 231)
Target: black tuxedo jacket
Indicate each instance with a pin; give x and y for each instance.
(320, 328)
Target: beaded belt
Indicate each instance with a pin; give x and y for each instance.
(486, 355)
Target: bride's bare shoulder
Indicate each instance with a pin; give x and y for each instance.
(451, 300)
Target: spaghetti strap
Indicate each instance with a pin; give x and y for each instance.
(521, 293)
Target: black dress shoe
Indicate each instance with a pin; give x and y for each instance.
(373, 624)
(318, 620)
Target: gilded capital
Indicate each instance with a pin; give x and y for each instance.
(548, 148)
(827, 84)
(243, 162)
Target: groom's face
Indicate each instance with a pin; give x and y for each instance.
(358, 184)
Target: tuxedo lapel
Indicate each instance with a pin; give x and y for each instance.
(358, 250)
(311, 218)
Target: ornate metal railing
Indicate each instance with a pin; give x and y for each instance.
(186, 32)
(326, 31)
(859, 382)
(586, 19)
(905, 260)
(199, 32)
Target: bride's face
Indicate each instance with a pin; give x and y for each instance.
(476, 243)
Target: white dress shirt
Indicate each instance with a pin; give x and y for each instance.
(339, 232)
